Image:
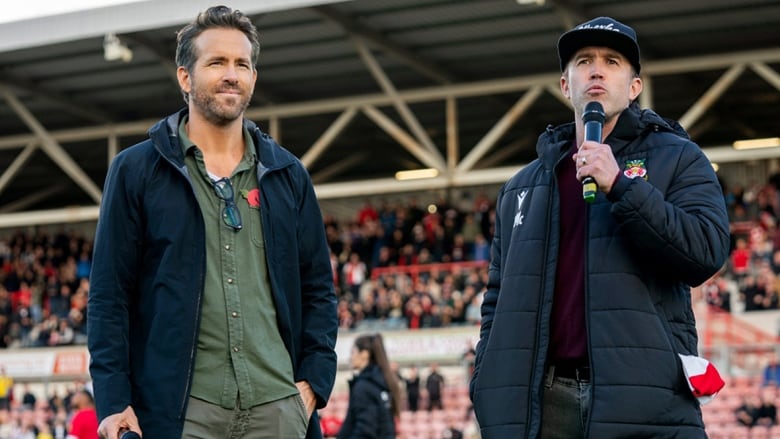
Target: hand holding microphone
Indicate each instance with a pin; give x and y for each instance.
(593, 118)
(121, 425)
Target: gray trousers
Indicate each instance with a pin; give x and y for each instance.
(282, 419)
(566, 408)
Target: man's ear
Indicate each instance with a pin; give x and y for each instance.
(184, 79)
(636, 88)
(565, 86)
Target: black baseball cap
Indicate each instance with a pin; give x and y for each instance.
(601, 32)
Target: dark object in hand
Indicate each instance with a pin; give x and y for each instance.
(129, 435)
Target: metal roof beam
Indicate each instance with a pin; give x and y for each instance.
(569, 15)
(402, 137)
(53, 216)
(161, 54)
(386, 45)
(646, 97)
(69, 104)
(328, 137)
(123, 18)
(709, 62)
(338, 167)
(453, 141)
(52, 148)
(373, 187)
(427, 94)
(403, 109)
(711, 96)
(767, 73)
(506, 151)
(499, 129)
(168, 63)
(30, 200)
(17, 165)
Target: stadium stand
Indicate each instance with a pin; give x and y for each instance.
(402, 267)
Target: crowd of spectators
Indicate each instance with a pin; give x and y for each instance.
(65, 414)
(750, 279)
(44, 284)
(395, 266)
(377, 257)
(44, 278)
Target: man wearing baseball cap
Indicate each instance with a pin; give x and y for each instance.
(587, 328)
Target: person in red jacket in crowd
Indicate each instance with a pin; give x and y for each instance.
(84, 424)
(740, 259)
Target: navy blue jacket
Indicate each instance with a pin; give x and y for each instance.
(148, 272)
(370, 413)
(662, 229)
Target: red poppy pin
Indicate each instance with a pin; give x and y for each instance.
(252, 197)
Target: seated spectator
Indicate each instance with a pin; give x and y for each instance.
(6, 389)
(64, 334)
(28, 397)
(355, 273)
(346, 319)
(747, 413)
(58, 297)
(771, 375)
(756, 292)
(84, 423)
(412, 382)
(481, 250)
(330, 424)
(414, 313)
(434, 385)
(452, 431)
(767, 412)
(83, 265)
(473, 310)
(385, 257)
(740, 259)
(716, 293)
(25, 423)
(367, 213)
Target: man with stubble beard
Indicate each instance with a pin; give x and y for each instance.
(212, 311)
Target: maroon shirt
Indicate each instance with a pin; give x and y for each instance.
(568, 341)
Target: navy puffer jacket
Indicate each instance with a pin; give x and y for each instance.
(370, 413)
(662, 229)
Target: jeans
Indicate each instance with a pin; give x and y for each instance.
(282, 419)
(566, 407)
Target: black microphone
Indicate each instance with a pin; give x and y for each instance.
(128, 434)
(593, 118)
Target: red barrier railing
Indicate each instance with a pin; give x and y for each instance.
(720, 327)
(414, 270)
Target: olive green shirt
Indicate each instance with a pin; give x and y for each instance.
(240, 354)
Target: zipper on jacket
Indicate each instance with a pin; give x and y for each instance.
(586, 289)
(194, 343)
(546, 311)
(267, 225)
(198, 313)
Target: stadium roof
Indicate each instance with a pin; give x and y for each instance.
(362, 89)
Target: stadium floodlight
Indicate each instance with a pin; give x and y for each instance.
(767, 142)
(416, 174)
(114, 49)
